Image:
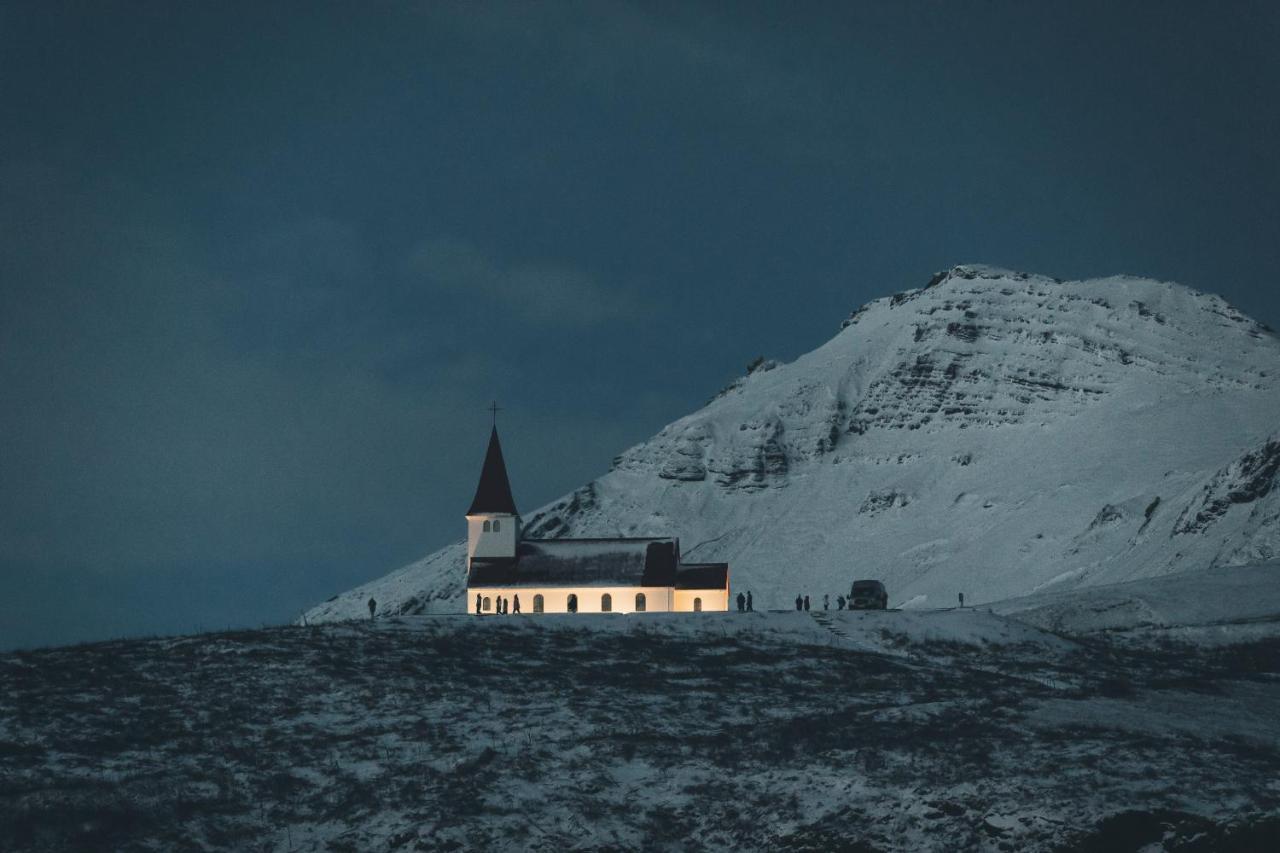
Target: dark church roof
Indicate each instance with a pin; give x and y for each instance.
(702, 576)
(582, 562)
(494, 492)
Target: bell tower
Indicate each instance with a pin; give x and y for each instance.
(493, 525)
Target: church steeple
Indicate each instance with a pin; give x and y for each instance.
(493, 525)
(493, 494)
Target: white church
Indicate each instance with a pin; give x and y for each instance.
(575, 575)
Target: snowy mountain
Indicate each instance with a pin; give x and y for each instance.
(993, 433)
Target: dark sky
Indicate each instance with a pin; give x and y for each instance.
(263, 266)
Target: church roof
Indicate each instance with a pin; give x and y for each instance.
(702, 576)
(493, 494)
(581, 562)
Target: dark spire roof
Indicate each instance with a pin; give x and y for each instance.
(494, 492)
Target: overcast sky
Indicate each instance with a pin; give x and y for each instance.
(262, 266)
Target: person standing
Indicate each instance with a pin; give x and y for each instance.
(748, 601)
(478, 603)
(799, 603)
(806, 603)
(373, 608)
(962, 599)
(515, 604)
(826, 601)
(742, 603)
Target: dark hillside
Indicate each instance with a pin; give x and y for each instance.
(762, 732)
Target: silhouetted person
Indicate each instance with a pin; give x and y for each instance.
(748, 601)
(506, 606)
(478, 602)
(515, 604)
(373, 608)
(962, 599)
(826, 601)
(742, 603)
(799, 603)
(839, 602)
(806, 602)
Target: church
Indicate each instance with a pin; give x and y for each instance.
(615, 575)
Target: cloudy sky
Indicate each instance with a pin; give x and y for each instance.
(263, 266)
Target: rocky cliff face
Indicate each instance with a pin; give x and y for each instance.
(992, 433)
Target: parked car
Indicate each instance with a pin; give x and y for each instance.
(868, 595)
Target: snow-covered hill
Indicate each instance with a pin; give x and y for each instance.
(993, 433)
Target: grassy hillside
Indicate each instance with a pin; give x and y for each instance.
(877, 731)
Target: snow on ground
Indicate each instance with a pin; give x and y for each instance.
(1224, 605)
(900, 730)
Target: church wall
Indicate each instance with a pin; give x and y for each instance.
(658, 599)
(486, 543)
(712, 599)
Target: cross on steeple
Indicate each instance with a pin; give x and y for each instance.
(493, 407)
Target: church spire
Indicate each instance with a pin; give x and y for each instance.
(493, 494)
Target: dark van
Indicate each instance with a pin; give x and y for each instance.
(868, 595)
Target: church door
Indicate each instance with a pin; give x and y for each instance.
(640, 602)
(606, 603)
(697, 605)
(538, 604)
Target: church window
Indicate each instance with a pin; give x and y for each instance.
(573, 603)
(640, 602)
(697, 605)
(538, 604)
(497, 525)
(606, 603)
(486, 527)
(486, 604)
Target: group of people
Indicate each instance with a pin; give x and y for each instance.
(502, 606)
(802, 602)
(745, 604)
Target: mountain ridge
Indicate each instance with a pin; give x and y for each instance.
(993, 432)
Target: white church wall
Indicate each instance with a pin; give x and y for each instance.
(658, 599)
(712, 599)
(492, 543)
